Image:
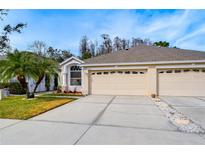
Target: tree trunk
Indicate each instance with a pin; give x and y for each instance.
(24, 85)
(36, 86)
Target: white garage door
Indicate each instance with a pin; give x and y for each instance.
(182, 82)
(118, 82)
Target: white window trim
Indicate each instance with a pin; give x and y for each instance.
(69, 76)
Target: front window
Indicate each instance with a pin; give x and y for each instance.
(75, 76)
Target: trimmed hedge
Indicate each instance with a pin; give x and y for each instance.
(14, 87)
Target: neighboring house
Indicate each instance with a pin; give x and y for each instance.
(31, 83)
(41, 86)
(142, 70)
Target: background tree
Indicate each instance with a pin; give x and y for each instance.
(125, 44)
(86, 55)
(38, 47)
(6, 31)
(92, 49)
(117, 44)
(136, 42)
(51, 52)
(89, 49)
(162, 44)
(106, 46)
(175, 47)
(57, 54)
(64, 54)
(3, 12)
(147, 41)
(84, 48)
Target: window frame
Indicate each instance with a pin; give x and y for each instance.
(177, 71)
(169, 71)
(99, 73)
(105, 73)
(135, 72)
(127, 72)
(79, 70)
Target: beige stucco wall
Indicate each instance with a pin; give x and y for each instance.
(152, 77)
(85, 81)
(152, 80)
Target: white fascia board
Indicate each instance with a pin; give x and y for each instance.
(145, 63)
(182, 66)
(117, 68)
(69, 59)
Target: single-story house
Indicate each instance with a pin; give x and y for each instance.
(142, 70)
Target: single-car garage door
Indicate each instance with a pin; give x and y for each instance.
(181, 82)
(121, 82)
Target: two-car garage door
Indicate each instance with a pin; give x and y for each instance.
(121, 82)
(181, 82)
(171, 82)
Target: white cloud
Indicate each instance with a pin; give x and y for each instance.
(191, 35)
(183, 28)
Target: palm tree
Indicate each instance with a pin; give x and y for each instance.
(19, 65)
(44, 67)
(25, 65)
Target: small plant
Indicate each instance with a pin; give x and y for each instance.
(59, 89)
(153, 95)
(64, 92)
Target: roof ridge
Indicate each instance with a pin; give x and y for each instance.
(144, 53)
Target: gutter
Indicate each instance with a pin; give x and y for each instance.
(144, 63)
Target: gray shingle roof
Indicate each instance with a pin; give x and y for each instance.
(144, 53)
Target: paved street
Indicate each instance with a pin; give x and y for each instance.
(99, 120)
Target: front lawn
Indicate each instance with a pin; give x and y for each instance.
(17, 107)
(62, 94)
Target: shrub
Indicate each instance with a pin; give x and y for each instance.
(56, 82)
(47, 82)
(4, 85)
(59, 89)
(14, 87)
(153, 95)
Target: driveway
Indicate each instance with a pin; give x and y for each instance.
(98, 119)
(192, 107)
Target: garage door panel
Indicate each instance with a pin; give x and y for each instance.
(182, 84)
(118, 84)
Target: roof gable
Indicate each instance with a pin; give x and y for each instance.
(71, 59)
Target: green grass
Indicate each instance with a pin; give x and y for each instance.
(17, 107)
(60, 94)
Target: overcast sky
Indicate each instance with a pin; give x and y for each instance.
(64, 28)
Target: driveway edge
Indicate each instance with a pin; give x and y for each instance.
(95, 120)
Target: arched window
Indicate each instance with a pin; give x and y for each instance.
(75, 76)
